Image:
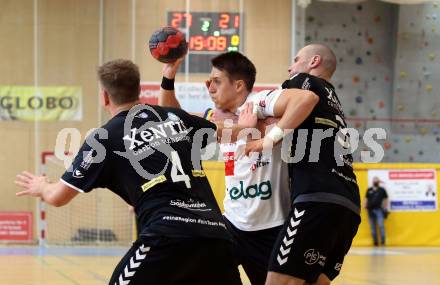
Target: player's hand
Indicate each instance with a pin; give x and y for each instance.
(32, 184)
(258, 146)
(169, 70)
(248, 116)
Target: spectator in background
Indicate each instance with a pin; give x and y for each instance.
(377, 206)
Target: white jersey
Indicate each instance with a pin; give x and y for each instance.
(257, 189)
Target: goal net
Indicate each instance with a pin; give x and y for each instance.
(96, 218)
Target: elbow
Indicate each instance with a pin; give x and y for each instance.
(312, 98)
(55, 201)
(58, 204)
(308, 101)
(58, 195)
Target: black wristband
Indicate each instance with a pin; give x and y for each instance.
(167, 84)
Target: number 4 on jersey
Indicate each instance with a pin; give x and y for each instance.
(177, 167)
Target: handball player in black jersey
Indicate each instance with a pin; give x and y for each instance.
(150, 157)
(325, 212)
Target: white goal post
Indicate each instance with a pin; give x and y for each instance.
(96, 218)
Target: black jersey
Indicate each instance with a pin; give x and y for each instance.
(375, 197)
(152, 161)
(324, 168)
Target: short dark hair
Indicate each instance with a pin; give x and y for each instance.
(121, 79)
(237, 67)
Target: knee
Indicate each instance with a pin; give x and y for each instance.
(274, 278)
(322, 280)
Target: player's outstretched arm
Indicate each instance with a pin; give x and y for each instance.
(167, 96)
(56, 194)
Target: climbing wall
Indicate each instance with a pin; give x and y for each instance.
(387, 65)
(416, 85)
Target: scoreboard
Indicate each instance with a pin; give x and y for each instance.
(208, 34)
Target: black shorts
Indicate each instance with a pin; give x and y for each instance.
(314, 240)
(252, 249)
(177, 261)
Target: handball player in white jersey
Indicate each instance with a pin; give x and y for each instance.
(257, 198)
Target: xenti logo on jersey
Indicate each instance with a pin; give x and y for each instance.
(262, 191)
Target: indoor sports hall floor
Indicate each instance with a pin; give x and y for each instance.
(90, 266)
